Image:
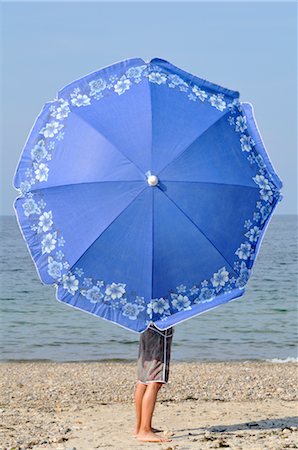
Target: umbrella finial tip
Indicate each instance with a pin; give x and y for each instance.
(152, 180)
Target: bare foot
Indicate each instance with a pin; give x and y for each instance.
(154, 430)
(149, 436)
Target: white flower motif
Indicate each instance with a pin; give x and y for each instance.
(70, 283)
(97, 86)
(217, 101)
(157, 77)
(87, 282)
(59, 255)
(241, 123)
(113, 78)
(244, 251)
(243, 276)
(59, 137)
(115, 290)
(266, 195)
(247, 224)
(79, 99)
(262, 182)
(135, 72)
(265, 211)
(62, 111)
(206, 295)
(78, 271)
(231, 120)
(30, 207)
(45, 221)
(181, 302)
(235, 105)
(41, 172)
(260, 161)
(202, 95)
(25, 186)
(51, 129)
(220, 278)
(253, 234)
(122, 85)
(94, 294)
(41, 203)
(246, 143)
(192, 97)
(265, 187)
(140, 300)
(61, 241)
(181, 288)
(150, 309)
(54, 268)
(48, 243)
(131, 310)
(39, 151)
(159, 305)
(194, 290)
(175, 80)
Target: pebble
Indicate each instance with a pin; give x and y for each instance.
(209, 436)
(168, 433)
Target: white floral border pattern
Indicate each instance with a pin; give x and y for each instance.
(114, 295)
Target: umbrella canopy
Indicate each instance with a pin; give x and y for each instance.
(144, 194)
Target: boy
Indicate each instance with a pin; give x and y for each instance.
(153, 372)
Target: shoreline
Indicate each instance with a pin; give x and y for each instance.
(83, 405)
(132, 360)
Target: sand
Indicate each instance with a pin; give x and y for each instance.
(87, 406)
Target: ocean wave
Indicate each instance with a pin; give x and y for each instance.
(280, 361)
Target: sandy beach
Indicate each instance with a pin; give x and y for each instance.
(86, 406)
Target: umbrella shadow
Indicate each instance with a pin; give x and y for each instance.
(162, 186)
(266, 424)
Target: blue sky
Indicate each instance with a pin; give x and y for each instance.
(244, 46)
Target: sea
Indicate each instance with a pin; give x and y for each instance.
(260, 326)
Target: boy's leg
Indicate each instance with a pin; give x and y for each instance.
(139, 393)
(148, 405)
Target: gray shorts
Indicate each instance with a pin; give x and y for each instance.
(154, 355)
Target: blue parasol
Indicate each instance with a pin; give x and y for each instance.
(144, 194)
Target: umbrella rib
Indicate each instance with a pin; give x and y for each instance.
(150, 87)
(189, 145)
(152, 237)
(85, 182)
(116, 148)
(151, 118)
(212, 182)
(121, 212)
(189, 218)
